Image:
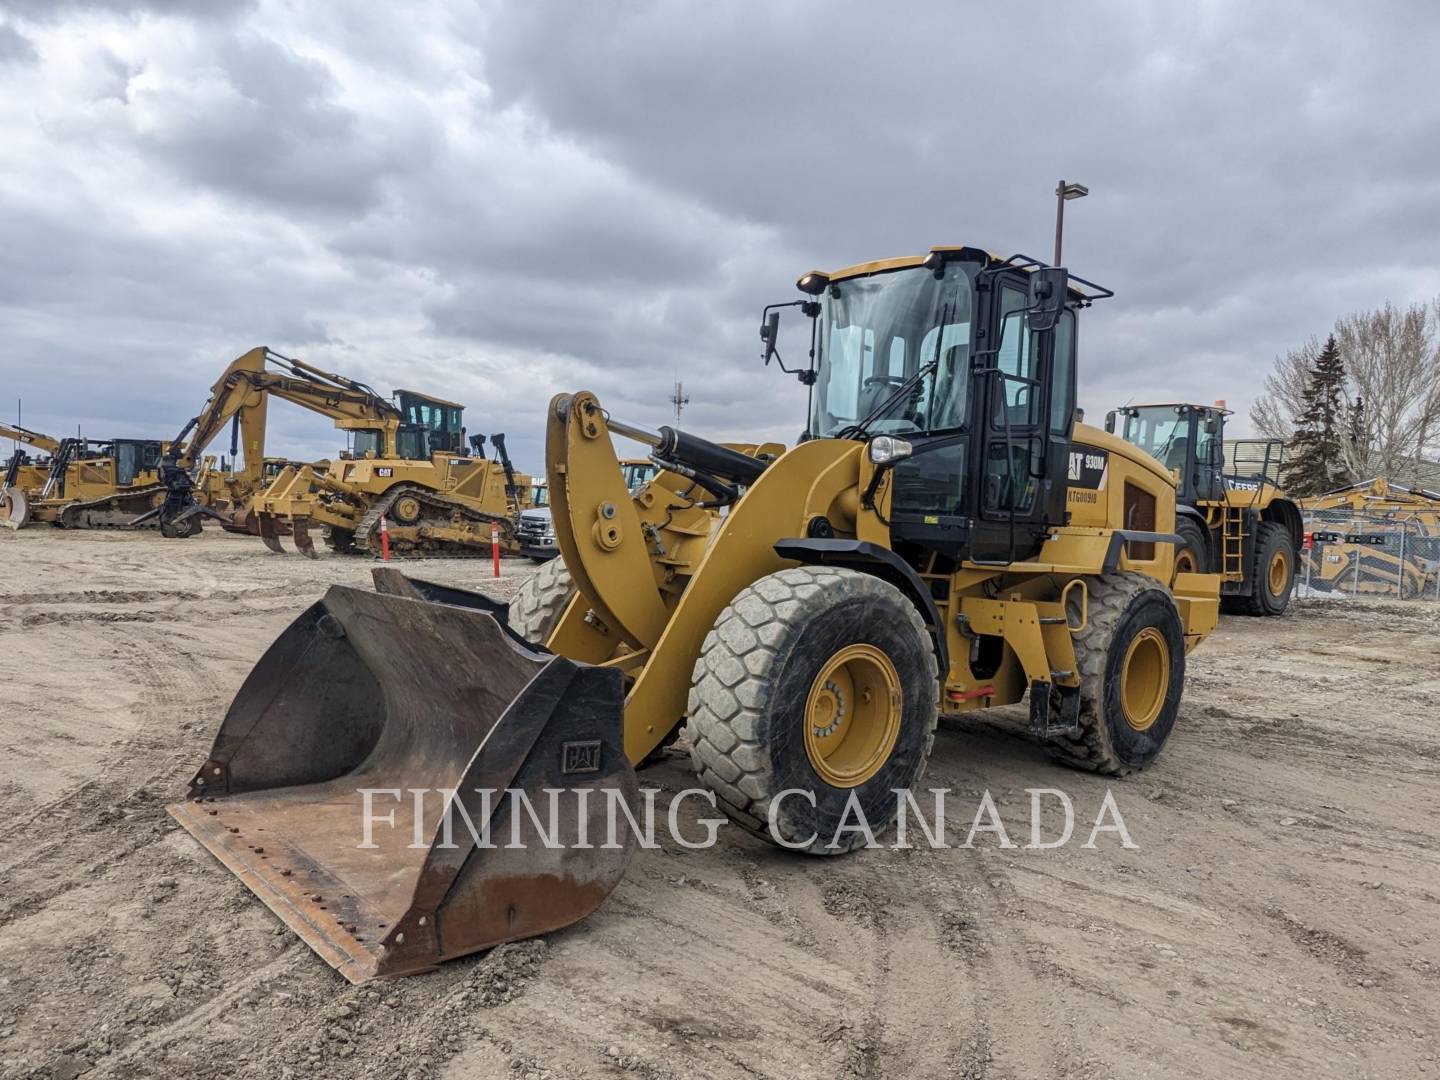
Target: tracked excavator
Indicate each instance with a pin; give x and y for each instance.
(944, 539)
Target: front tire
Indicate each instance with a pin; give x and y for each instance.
(817, 679)
(541, 601)
(1131, 658)
(1272, 571)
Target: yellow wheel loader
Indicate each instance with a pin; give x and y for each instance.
(944, 539)
(1233, 518)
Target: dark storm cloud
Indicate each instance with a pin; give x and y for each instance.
(500, 202)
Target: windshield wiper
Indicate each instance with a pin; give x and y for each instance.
(860, 428)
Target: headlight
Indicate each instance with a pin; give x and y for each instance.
(886, 448)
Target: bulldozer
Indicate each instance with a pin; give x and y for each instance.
(1234, 520)
(87, 484)
(411, 452)
(411, 485)
(943, 539)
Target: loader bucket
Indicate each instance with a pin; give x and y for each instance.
(406, 698)
(14, 508)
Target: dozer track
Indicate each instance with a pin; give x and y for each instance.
(437, 512)
(116, 511)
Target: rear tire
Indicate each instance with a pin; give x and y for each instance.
(541, 601)
(801, 648)
(1131, 659)
(1272, 572)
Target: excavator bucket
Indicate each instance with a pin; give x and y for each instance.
(304, 542)
(403, 781)
(14, 508)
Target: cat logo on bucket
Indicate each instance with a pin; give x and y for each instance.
(580, 757)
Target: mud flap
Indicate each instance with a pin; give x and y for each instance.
(407, 699)
(269, 533)
(15, 512)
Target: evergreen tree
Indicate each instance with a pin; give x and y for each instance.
(1316, 461)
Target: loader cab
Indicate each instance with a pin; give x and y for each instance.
(959, 370)
(133, 457)
(1189, 440)
(428, 426)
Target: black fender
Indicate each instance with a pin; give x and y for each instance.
(1285, 512)
(883, 563)
(1185, 510)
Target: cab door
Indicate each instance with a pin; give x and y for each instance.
(1024, 415)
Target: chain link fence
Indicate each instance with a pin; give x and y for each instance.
(1354, 553)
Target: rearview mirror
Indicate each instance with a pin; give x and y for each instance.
(769, 334)
(1047, 297)
(1110, 421)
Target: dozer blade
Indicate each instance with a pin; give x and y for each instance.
(304, 543)
(14, 508)
(269, 533)
(406, 698)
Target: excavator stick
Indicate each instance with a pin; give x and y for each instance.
(304, 542)
(410, 694)
(14, 508)
(267, 528)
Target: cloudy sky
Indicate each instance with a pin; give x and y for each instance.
(497, 202)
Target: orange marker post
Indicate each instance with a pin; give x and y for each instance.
(384, 539)
(495, 547)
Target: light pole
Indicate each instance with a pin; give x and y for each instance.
(1064, 193)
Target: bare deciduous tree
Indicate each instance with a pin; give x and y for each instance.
(1392, 367)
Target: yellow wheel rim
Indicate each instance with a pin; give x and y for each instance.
(1145, 678)
(852, 716)
(407, 508)
(1279, 572)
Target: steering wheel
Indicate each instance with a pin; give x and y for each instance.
(886, 380)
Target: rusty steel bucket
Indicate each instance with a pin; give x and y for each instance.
(416, 687)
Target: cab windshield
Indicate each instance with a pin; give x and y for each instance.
(878, 331)
(1161, 431)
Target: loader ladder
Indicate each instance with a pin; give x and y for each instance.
(1232, 543)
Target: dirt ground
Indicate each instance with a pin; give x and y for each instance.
(1279, 918)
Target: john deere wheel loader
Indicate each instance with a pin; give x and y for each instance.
(943, 540)
(1233, 518)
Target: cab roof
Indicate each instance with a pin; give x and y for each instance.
(1087, 292)
(431, 398)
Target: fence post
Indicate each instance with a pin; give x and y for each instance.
(1400, 570)
(1359, 552)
